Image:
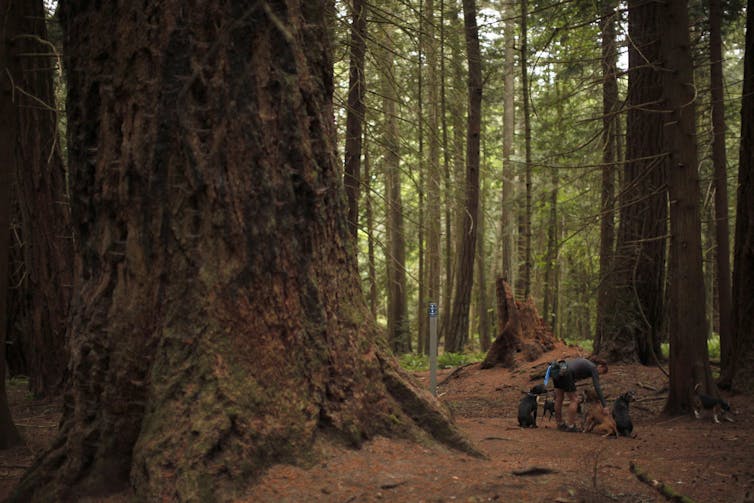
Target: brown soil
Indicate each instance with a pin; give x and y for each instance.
(695, 458)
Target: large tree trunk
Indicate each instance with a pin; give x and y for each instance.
(457, 332)
(631, 330)
(689, 361)
(10, 27)
(355, 113)
(743, 253)
(218, 326)
(43, 289)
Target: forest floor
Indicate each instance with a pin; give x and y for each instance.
(699, 459)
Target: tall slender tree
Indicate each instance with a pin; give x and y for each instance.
(507, 204)
(720, 161)
(355, 112)
(432, 166)
(527, 214)
(609, 138)
(397, 315)
(219, 325)
(458, 330)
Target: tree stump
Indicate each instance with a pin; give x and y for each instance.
(520, 330)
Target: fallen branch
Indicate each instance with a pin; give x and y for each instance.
(665, 490)
(455, 371)
(533, 471)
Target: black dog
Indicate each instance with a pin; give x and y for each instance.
(548, 406)
(527, 407)
(620, 414)
(718, 406)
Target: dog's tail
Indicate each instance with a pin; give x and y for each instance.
(696, 388)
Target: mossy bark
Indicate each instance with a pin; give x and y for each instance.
(219, 326)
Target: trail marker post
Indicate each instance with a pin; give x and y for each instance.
(433, 348)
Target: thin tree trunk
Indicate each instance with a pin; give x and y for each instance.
(433, 169)
(609, 134)
(454, 212)
(527, 147)
(508, 198)
(447, 184)
(355, 113)
(459, 324)
(372, 269)
(719, 160)
(422, 321)
(483, 320)
(397, 316)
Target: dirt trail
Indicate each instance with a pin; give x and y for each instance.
(705, 461)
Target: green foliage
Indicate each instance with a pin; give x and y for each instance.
(713, 347)
(448, 360)
(586, 344)
(414, 362)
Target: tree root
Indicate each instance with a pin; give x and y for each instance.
(665, 490)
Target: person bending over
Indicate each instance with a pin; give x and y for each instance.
(564, 374)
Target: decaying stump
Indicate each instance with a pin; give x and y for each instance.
(520, 330)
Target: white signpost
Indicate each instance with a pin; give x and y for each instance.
(433, 348)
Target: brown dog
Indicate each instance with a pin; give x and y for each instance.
(595, 417)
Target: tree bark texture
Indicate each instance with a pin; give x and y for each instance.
(508, 340)
(743, 253)
(633, 324)
(218, 326)
(689, 360)
(458, 330)
(42, 285)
